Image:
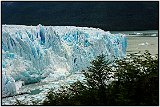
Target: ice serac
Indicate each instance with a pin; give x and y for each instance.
(35, 53)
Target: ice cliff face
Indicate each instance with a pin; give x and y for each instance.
(35, 53)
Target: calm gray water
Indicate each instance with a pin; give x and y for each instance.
(141, 41)
(136, 44)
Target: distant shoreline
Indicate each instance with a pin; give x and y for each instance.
(145, 33)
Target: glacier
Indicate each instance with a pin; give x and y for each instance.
(50, 53)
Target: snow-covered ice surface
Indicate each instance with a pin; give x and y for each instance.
(50, 56)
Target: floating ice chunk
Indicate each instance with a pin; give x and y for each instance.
(8, 86)
(146, 43)
(18, 85)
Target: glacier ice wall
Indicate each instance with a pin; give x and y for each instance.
(32, 53)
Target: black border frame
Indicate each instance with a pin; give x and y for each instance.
(63, 1)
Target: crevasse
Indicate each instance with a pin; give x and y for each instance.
(34, 53)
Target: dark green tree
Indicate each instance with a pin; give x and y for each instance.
(92, 92)
(97, 77)
(62, 97)
(137, 81)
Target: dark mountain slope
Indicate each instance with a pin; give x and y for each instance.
(105, 15)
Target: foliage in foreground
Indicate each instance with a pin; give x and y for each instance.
(135, 81)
